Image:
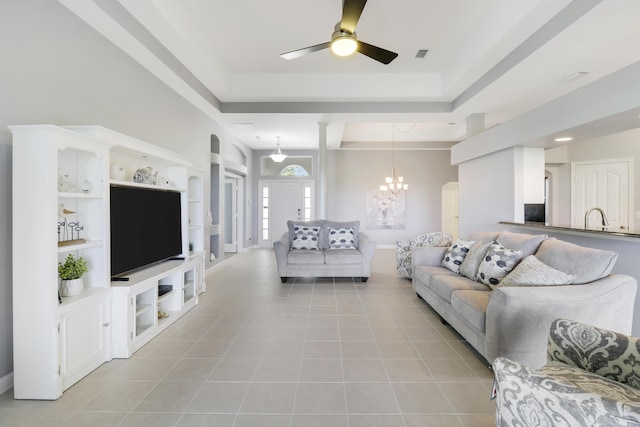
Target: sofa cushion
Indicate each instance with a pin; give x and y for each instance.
(305, 237)
(455, 254)
(497, 263)
(471, 262)
(341, 238)
(291, 224)
(528, 244)
(343, 256)
(424, 273)
(471, 306)
(305, 256)
(324, 234)
(586, 264)
(444, 285)
(531, 272)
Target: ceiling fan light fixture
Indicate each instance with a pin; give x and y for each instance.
(344, 44)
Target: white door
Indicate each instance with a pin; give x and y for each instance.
(450, 209)
(230, 215)
(283, 201)
(602, 184)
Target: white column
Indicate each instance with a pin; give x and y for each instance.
(322, 171)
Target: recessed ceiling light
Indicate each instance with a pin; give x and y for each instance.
(563, 139)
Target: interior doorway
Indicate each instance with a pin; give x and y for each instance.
(232, 213)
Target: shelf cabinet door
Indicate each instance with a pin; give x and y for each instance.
(84, 337)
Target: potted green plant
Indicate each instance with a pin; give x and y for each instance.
(70, 273)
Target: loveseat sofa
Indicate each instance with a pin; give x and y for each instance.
(324, 248)
(501, 291)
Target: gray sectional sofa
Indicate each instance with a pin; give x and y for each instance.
(324, 248)
(537, 280)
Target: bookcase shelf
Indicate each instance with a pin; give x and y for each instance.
(107, 319)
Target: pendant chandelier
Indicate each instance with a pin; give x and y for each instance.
(394, 183)
(277, 155)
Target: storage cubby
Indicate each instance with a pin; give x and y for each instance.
(61, 205)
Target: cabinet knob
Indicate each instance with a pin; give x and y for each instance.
(105, 325)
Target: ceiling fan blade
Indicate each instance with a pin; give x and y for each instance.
(351, 11)
(377, 53)
(304, 51)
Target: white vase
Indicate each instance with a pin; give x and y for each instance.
(70, 288)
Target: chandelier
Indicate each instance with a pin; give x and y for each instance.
(277, 155)
(394, 183)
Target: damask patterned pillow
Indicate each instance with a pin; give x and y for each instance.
(532, 272)
(341, 238)
(455, 254)
(497, 263)
(305, 237)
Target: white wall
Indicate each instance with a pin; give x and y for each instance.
(351, 173)
(55, 69)
(487, 191)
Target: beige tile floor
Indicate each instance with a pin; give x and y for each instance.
(256, 352)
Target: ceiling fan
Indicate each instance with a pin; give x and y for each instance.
(344, 41)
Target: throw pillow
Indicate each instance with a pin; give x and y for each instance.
(341, 238)
(471, 262)
(324, 233)
(496, 264)
(532, 272)
(305, 237)
(455, 254)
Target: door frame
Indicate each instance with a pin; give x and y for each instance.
(238, 214)
(262, 183)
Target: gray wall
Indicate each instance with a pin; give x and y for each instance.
(56, 69)
(352, 173)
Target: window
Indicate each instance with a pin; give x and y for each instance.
(294, 170)
(265, 213)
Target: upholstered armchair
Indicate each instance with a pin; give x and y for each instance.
(592, 378)
(404, 248)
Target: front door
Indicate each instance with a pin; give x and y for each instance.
(283, 200)
(602, 184)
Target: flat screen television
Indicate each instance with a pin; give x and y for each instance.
(146, 227)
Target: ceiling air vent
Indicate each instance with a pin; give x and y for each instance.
(422, 53)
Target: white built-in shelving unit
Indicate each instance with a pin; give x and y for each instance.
(61, 180)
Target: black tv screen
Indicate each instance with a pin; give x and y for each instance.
(146, 227)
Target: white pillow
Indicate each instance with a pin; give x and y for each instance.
(496, 264)
(455, 254)
(342, 238)
(533, 272)
(305, 237)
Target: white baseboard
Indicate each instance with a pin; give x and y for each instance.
(6, 382)
(386, 246)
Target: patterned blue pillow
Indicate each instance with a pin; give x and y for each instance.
(456, 253)
(342, 238)
(305, 237)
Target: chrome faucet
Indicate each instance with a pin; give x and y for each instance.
(605, 221)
